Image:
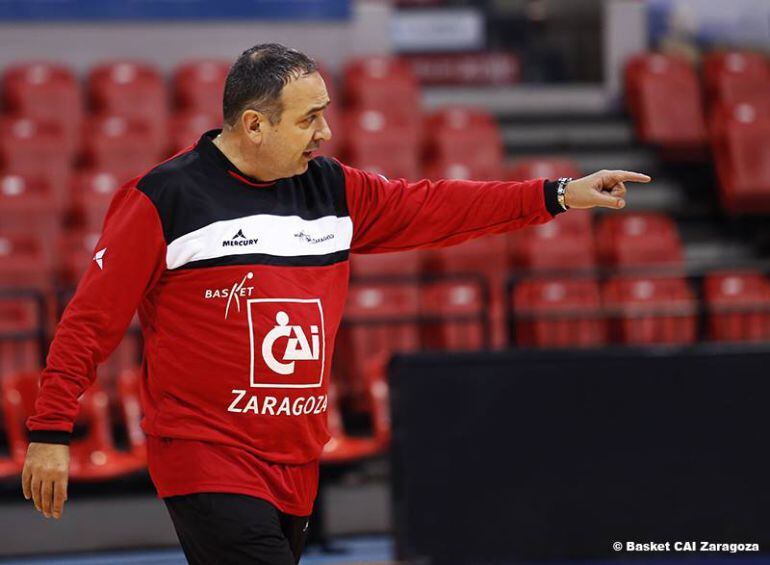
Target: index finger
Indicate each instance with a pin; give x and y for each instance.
(630, 176)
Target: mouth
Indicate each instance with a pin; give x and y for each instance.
(309, 153)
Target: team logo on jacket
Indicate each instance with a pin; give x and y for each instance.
(288, 348)
(239, 240)
(233, 294)
(307, 238)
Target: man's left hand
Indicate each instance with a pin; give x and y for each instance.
(604, 188)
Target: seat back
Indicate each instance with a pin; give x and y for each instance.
(29, 203)
(453, 314)
(641, 239)
(26, 260)
(664, 98)
(45, 91)
(384, 84)
(133, 90)
(554, 312)
(735, 76)
(380, 319)
(37, 149)
(187, 126)
(738, 305)
(19, 335)
(651, 310)
(120, 145)
(377, 143)
(463, 143)
(200, 85)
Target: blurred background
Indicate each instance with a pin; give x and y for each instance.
(598, 378)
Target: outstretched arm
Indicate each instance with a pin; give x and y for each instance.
(396, 215)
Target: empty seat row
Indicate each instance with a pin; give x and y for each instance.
(131, 127)
(460, 143)
(665, 97)
(95, 455)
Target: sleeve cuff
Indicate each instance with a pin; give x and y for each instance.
(50, 436)
(551, 200)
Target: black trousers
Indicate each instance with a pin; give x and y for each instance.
(234, 529)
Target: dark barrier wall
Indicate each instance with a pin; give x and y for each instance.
(499, 458)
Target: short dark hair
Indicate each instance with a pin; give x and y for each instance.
(257, 77)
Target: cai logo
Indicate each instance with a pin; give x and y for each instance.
(288, 347)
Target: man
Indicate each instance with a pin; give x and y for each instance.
(235, 253)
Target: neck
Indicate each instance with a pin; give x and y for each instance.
(237, 152)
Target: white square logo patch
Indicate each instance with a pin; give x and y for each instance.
(288, 344)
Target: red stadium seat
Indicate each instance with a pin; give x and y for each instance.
(487, 257)
(28, 204)
(463, 143)
(741, 142)
(633, 240)
(651, 310)
(93, 456)
(92, 193)
(121, 146)
(563, 244)
(406, 263)
(544, 168)
(187, 127)
(45, 91)
(19, 335)
(735, 76)
(384, 84)
(133, 90)
(199, 86)
(129, 383)
(380, 319)
(453, 315)
(738, 306)
(558, 313)
(26, 260)
(664, 97)
(379, 145)
(37, 149)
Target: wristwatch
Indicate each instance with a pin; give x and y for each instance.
(561, 190)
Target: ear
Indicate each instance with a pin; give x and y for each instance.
(253, 123)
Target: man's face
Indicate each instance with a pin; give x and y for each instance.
(288, 146)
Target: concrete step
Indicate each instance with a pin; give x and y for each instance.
(524, 100)
(631, 159)
(550, 135)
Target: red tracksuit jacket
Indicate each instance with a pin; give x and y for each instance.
(240, 288)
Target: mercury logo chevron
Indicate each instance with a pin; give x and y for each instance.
(239, 239)
(99, 258)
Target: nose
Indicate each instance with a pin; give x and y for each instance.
(324, 133)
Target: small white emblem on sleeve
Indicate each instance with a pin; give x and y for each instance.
(99, 258)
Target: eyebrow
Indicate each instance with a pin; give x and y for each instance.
(316, 109)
